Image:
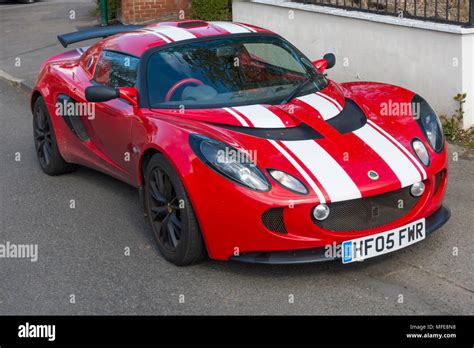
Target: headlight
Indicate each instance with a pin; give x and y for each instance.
(229, 161)
(288, 181)
(429, 123)
(421, 151)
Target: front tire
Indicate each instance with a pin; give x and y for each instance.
(171, 214)
(47, 151)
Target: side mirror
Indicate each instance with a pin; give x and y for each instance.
(330, 59)
(327, 62)
(97, 94)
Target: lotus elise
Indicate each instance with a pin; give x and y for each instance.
(241, 147)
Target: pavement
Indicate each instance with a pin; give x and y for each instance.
(83, 266)
(29, 31)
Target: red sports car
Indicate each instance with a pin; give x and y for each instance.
(240, 146)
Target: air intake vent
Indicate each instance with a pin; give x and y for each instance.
(438, 178)
(350, 119)
(368, 212)
(192, 24)
(273, 220)
(301, 132)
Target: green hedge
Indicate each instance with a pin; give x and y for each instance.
(113, 7)
(211, 10)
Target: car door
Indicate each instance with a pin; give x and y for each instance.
(111, 126)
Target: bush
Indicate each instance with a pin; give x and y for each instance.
(452, 126)
(211, 10)
(113, 7)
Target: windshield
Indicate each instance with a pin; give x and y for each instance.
(228, 72)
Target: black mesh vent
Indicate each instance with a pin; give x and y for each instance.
(350, 119)
(300, 132)
(273, 220)
(438, 178)
(369, 212)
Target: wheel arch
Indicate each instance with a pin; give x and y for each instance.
(144, 160)
(34, 97)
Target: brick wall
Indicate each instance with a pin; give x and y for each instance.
(143, 11)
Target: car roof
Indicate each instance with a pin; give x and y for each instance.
(138, 41)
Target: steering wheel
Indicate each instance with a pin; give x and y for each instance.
(180, 84)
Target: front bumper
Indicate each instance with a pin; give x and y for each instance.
(236, 223)
(433, 222)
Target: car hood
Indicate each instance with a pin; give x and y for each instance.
(337, 141)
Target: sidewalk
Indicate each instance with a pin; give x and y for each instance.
(28, 34)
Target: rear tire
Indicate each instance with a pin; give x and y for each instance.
(171, 214)
(47, 151)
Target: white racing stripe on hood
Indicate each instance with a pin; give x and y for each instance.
(231, 27)
(417, 162)
(260, 116)
(238, 117)
(403, 168)
(300, 170)
(326, 108)
(333, 178)
(334, 101)
(174, 33)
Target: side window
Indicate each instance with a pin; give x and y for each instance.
(116, 69)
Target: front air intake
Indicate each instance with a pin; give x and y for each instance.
(273, 220)
(368, 212)
(438, 178)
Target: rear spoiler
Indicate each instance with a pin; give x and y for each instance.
(101, 32)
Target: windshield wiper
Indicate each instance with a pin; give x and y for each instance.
(297, 90)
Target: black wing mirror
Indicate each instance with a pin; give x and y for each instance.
(330, 59)
(97, 94)
(325, 63)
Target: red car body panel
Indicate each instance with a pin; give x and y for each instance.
(230, 215)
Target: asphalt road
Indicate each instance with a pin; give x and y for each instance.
(81, 253)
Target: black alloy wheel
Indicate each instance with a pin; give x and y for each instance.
(47, 150)
(42, 134)
(165, 212)
(171, 214)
